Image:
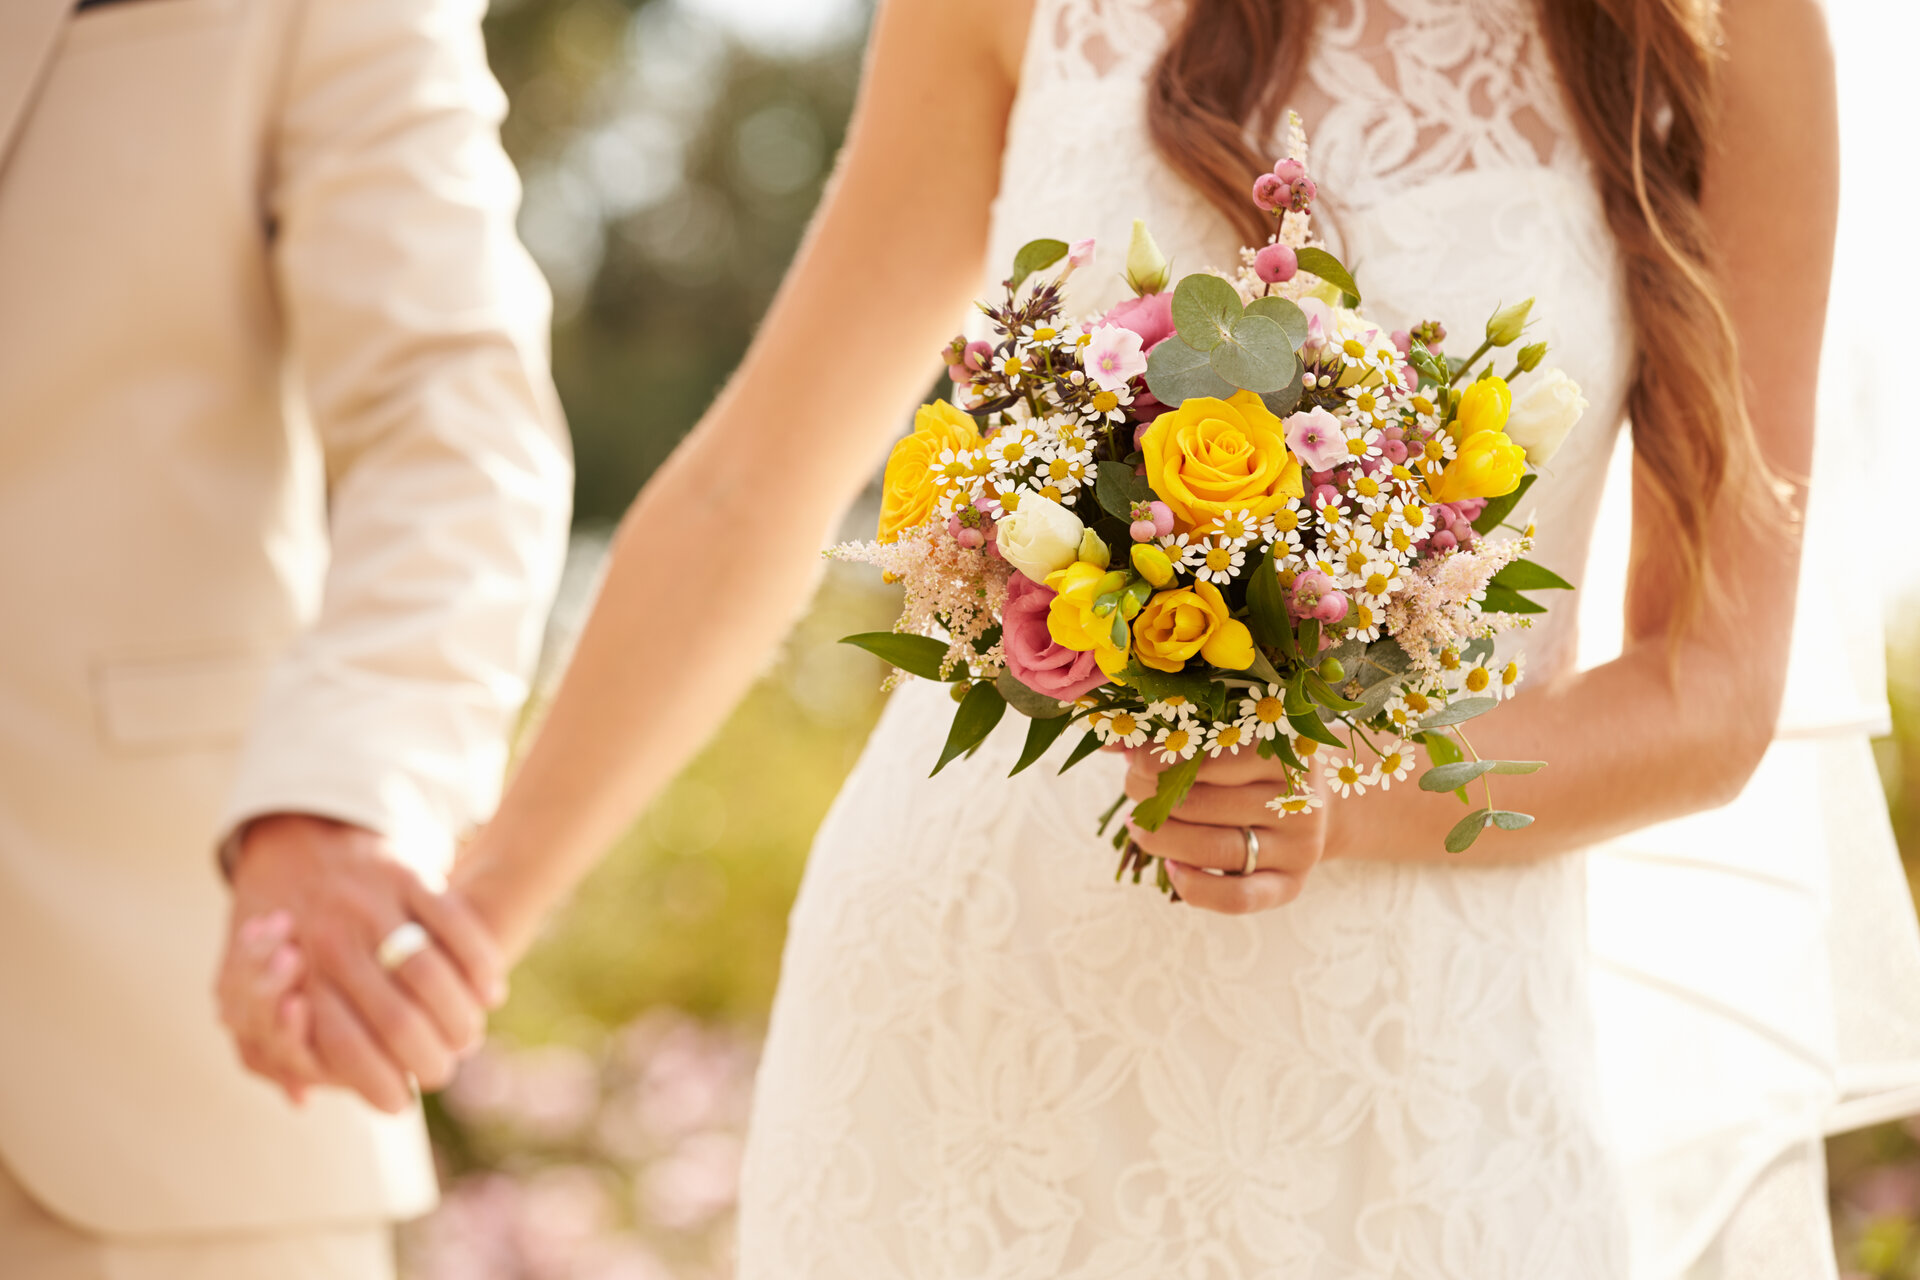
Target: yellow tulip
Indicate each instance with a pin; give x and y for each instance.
(910, 492)
(1488, 465)
(1177, 624)
(1484, 406)
(1152, 563)
(1072, 622)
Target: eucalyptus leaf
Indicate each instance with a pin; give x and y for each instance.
(1477, 648)
(1467, 830)
(1525, 575)
(1177, 373)
(979, 711)
(916, 655)
(1205, 309)
(1451, 777)
(1320, 263)
(1508, 820)
(1254, 355)
(1507, 600)
(1169, 791)
(1498, 509)
(1087, 745)
(1036, 255)
(1285, 313)
(1041, 734)
(1284, 401)
(1117, 488)
(1458, 711)
(1028, 702)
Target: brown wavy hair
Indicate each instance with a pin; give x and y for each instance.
(1641, 78)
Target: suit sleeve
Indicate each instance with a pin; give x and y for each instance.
(416, 326)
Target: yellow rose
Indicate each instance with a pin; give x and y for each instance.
(1488, 465)
(910, 491)
(1484, 406)
(1177, 624)
(1072, 622)
(1211, 456)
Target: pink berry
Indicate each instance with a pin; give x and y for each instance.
(1402, 341)
(1442, 541)
(1143, 531)
(1162, 518)
(1323, 494)
(1289, 171)
(959, 373)
(1269, 192)
(1301, 194)
(1276, 264)
(1395, 451)
(1332, 607)
(971, 539)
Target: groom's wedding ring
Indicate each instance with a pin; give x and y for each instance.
(403, 944)
(1253, 851)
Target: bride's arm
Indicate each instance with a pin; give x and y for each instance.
(1679, 721)
(718, 555)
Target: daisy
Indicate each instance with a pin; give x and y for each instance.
(1363, 622)
(1127, 728)
(1265, 712)
(1477, 678)
(1237, 528)
(1379, 579)
(1410, 515)
(1372, 406)
(1066, 467)
(1012, 447)
(1175, 743)
(1176, 707)
(1363, 442)
(1228, 737)
(1509, 682)
(1393, 767)
(1038, 335)
(1369, 492)
(1348, 778)
(1284, 524)
(1012, 366)
(1003, 496)
(1213, 560)
(1401, 717)
(1304, 802)
(1419, 701)
(1109, 406)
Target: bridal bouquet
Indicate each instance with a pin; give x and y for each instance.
(1233, 515)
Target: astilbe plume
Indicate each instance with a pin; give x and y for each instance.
(946, 586)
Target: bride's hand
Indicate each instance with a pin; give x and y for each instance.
(1207, 834)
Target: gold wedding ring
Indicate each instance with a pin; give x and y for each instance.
(1253, 851)
(403, 944)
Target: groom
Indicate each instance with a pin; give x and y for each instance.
(283, 492)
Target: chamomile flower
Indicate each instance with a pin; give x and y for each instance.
(1013, 366)
(1372, 405)
(1065, 467)
(1284, 525)
(1109, 406)
(1411, 515)
(1420, 702)
(962, 471)
(1301, 802)
(1238, 528)
(1363, 441)
(1264, 711)
(1348, 778)
(1401, 717)
(1214, 560)
(1038, 335)
(1508, 682)
(1176, 707)
(1176, 742)
(1393, 767)
(1369, 491)
(1363, 620)
(1478, 679)
(1127, 728)
(1003, 496)
(1053, 492)
(1229, 737)
(1012, 447)
(1377, 580)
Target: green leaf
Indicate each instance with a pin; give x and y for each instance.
(1036, 255)
(1327, 696)
(1308, 637)
(1458, 711)
(1451, 777)
(1508, 820)
(1440, 748)
(916, 655)
(1267, 614)
(1320, 263)
(1525, 575)
(1310, 725)
(1205, 308)
(1285, 313)
(979, 711)
(1261, 668)
(1507, 600)
(1170, 790)
(1118, 488)
(1424, 362)
(1467, 830)
(1284, 401)
(1028, 702)
(1177, 373)
(1254, 356)
(1041, 734)
(1081, 750)
(1498, 509)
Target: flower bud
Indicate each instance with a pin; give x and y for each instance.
(1094, 551)
(1152, 564)
(1504, 329)
(1276, 263)
(1331, 671)
(1430, 334)
(1080, 255)
(1531, 355)
(1148, 270)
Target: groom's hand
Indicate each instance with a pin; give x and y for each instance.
(345, 892)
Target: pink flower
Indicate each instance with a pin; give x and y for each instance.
(1081, 254)
(1151, 317)
(1033, 656)
(1316, 439)
(1113, 357)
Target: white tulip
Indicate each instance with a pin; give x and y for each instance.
(1041, 537)
(1547, 406)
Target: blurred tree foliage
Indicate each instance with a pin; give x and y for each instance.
(670, 169)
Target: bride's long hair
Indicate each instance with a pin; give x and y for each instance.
(1641, 77)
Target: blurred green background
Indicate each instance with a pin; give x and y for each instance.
(672, 151)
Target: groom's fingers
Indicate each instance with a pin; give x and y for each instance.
(350, 1055)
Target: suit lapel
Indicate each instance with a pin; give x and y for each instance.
(29, 33)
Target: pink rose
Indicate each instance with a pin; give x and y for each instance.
(1033, 656)
(1151, 317)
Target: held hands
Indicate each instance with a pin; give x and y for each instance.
(1205, 841)
(302, 986)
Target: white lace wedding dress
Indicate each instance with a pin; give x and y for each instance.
(988, 1060)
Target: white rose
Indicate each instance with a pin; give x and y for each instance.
(1040, 537)
(1543, 412)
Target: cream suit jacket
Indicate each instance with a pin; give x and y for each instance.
(283, 496)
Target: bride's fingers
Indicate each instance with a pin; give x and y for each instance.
(1221, 806)
(1224, 848)
(454, 926)
(1234, 895)
(438, 988)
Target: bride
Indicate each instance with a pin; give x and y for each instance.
(1367, 1058)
